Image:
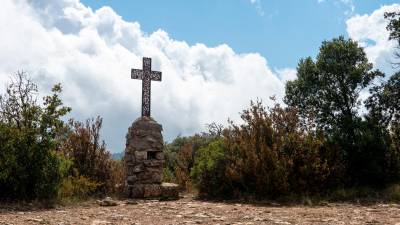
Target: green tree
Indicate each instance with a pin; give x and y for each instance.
(326, 93)
(384, 101)
(394, 28)
(30, 167)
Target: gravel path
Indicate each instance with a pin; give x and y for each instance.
(190, 211)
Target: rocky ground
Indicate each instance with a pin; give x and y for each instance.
(190, 211)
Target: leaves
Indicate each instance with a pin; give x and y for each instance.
(29, 135)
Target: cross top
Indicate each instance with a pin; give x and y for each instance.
(146, 75)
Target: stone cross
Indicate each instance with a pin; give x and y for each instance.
(146, 75)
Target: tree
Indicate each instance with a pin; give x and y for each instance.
(394, 28)
(30, 166)
(384, 108)
(326, 92)
(384, 102)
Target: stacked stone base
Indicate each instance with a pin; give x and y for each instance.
(144, 160)
(165, 191)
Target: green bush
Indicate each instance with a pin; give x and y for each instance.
(209, 171)
(168, 175)
(30, 135)
(180, 156)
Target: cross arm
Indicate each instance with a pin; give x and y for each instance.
(156, 75)
(137, 74)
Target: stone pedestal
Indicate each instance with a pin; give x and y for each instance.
(144, 160)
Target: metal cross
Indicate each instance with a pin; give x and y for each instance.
(146, 75)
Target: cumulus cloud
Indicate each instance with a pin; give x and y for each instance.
(91, 54)
(370, 31)
(286, 74)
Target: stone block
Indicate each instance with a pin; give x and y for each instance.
(164, 191)
(170, 191)
(152, 178)
(152, 191)
(131, 179)
(138, 168)
(140, 155)
(153, 163)
(137, 191)
(160, 156)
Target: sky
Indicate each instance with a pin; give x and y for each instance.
(283, 31)
(215, 55)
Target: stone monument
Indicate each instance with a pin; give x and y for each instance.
(144, 155)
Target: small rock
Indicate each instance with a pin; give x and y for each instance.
(131, 202)
(35, 220)
(107, 202)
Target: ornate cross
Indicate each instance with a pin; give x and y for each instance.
(146, 75)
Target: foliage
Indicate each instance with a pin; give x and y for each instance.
(394, 28)
(209, 170)
(77, 188)
(367, 165)
(327, 90)
(267, 156)
(326, 93)
(168, 175)
(180, 155)
(29, 134)
(384, 102)
(90, 156)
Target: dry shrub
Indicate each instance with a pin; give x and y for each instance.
(77, 188)
(180, 156)
(257, 166)
(185, 159)
(266, 156)
(90, 156)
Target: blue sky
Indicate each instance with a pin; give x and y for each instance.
(282, 31)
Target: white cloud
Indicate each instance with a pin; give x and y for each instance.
(348, 4)
(91, 54)
(370, 31)
(286, 74)
(258, 6)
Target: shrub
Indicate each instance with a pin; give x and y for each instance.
(30, 134)
(267, 156)
(180, 156)
(209, 171)
(77, 188)
(90, 156)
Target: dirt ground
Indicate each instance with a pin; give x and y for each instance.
(190, 211)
